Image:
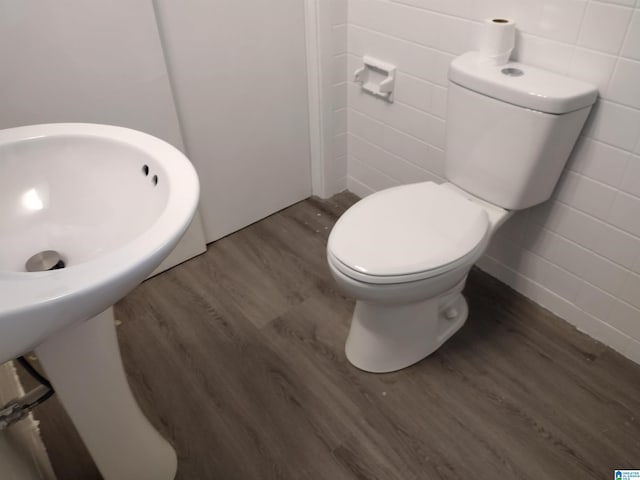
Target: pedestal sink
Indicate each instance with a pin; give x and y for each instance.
(112, 202)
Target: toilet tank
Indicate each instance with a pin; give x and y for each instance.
(511, 128)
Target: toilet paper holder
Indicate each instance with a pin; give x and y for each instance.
(377, 78)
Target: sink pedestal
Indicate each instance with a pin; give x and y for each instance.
(83, 363)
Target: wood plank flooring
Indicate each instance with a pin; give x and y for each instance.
(237, 357)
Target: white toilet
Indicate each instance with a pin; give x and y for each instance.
(404, 253)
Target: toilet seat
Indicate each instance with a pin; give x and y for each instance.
(408, 233)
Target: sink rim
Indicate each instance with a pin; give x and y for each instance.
(26, 293)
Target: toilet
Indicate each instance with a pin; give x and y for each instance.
(404, 253)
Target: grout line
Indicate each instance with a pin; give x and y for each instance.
(435, 12)
(396, 129)
(409, 106)
(398, 157)
(565, 299)
(576, 244)
(411, 42)
(371, 167)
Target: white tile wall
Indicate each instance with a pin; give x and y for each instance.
(333, 37)
(604, 26)
(579, 253)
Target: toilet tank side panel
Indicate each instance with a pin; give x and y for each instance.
(555, 152)
(507, 155)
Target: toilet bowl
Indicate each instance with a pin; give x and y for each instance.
(404, 254)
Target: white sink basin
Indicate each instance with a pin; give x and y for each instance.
(112, 201)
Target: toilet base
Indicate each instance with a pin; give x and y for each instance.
(385, 338)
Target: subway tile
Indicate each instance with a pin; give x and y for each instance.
(595, 235)
(636, 265)
(339, 39)
(338, 11)
(458, 8)
(548, 214)
(600, 161)
(553, 19)
(546, 273)
(454, 35)
(385, 162)
(505, 251)
(418, 26)
(515, 227)
(421, 125)
(627, 3)
(415, 92)
(354, 63)
(370, 177)
(625, 83)
(339, 69)
(496, 269)
(483, 9)
(631, 290)
(402, 117)
(604, 26)
(594, 301)
(339, 121)
(339, 96)
(560, 19)
(339, 146)
(614, 244)
(439, 102)
(359, 188)
(604, 274)
(556, 249)
(340, 184)
(614, 124)
(631, 47)
(631, 181)
(337, 170)
(625, 318)
(544, 53)
(364, 126)
(593, 67)
(413, 150)
(586, 195)
(625, 213)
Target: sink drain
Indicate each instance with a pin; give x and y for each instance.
(43, 261)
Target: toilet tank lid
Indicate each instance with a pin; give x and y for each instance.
(522, 85)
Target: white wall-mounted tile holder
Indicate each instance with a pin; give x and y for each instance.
(377, 78)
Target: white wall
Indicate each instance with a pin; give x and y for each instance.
(240, 81)
(99, 62)
(70, 60)
(578, 254)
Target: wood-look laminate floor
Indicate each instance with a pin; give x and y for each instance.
(237, 357)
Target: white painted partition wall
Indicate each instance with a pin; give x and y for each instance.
(240, 80)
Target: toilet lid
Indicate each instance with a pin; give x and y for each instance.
(408, 230)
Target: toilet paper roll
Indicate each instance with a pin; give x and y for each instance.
(497, 39)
